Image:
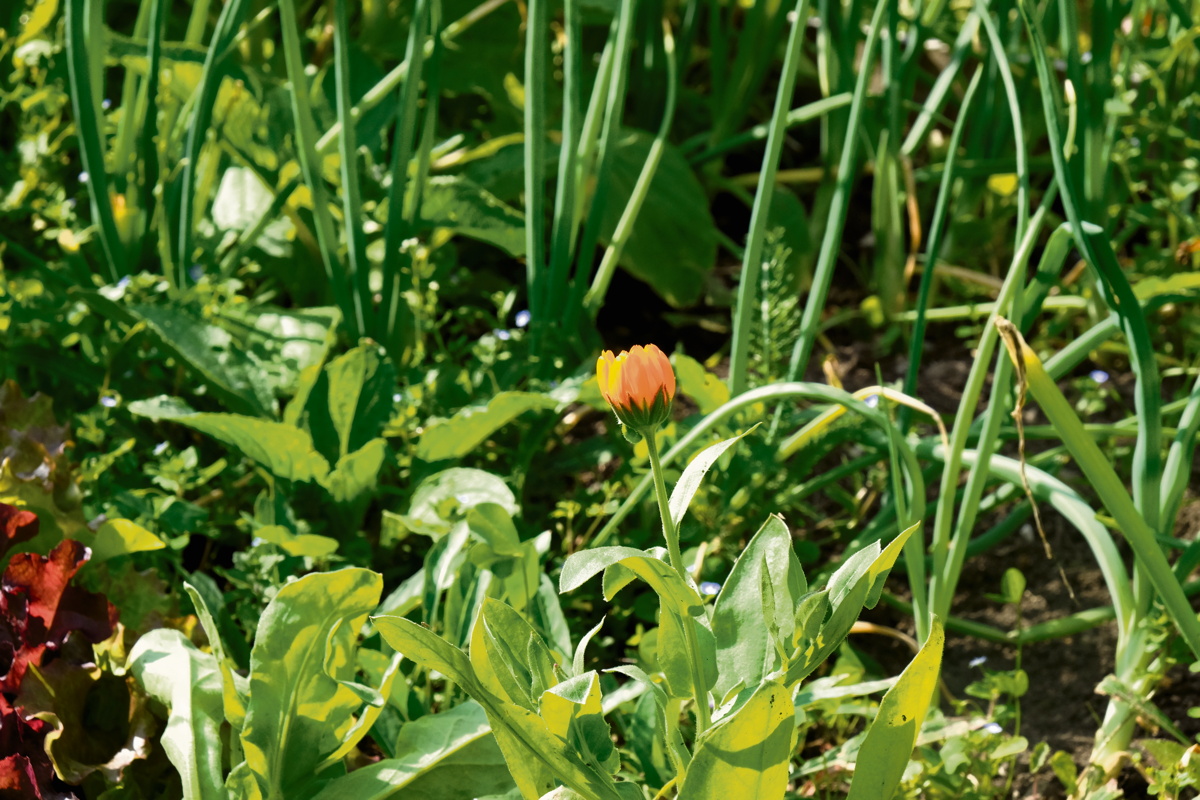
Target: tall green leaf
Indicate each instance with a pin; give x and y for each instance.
(747, 754)
(175, 673)
(212, 352)
(893, 735)
(760, 594)
(299, 707)
(443, 756)
(286, 451)
(522, 735)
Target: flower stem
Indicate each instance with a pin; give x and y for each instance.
(664, 509)
(699, 693)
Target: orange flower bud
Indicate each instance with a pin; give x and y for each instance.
(639, 384)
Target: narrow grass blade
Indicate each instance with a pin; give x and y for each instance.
(202, 110)
(310, 167)
(393, 306)
(752, 261)
(612, 255)
(536, 284)
(614, 110)
(933, 249)
(1115, 288)
(357, 264)
(1014, 112)
(91, 134)
(565, 225)
(1104, 480)
(810, 321)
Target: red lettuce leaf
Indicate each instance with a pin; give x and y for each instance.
(16, 525)
(39, 610)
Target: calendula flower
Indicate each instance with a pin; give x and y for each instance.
(639, 384)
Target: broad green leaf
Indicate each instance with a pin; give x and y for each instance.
(457, 204)
(513, 563)
(747, 754)
(893, 734)
(287, 452)
(348, 376)
(709, 391)
(547, 614)
(745, 651)
(509, 656)
(617, 576)
(242, 785)
(850, 589)
(441, 568)
(580, 657)
(673, 658)
(234, 687)
(212, 352)
(356, 473)
(470, 427)
(241, 200)
(528, 745)
(298, 713)
(405, 597)
(689, 482)
(375, 700)
(673, 245)
(443, 756)
(448, 495)
(303, 544)
(119, 537)
(562, 793)
(661, 577)
(175, 673)
(290, 347)
(493, 524)
(882, 565)
(573, 712)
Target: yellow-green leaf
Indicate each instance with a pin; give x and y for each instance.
(893, 734)
(470, 427)
(747, 754)
(709, 391)
(298, 713)
(119, 537)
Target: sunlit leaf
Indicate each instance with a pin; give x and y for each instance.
(298, 712)
(443, 756)
(188, 683)
(893, 734)
(286, 451)
(470, 427)
(747, 754)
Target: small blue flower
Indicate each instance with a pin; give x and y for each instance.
(83, 177)
(1099, 376)
(397, 397)
(522, 318)
(106, 104)
(161, 448)
(124, 282)
(993, 728)
(709, 588)
(978, 661)
(108, 401)
(502, 335)
(872, 401)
